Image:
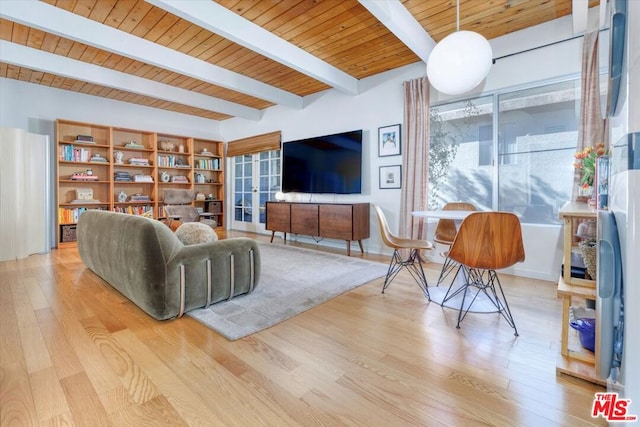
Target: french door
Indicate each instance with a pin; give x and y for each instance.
(256, 180)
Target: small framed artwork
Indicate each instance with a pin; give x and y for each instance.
(391, 176)
(389, 141)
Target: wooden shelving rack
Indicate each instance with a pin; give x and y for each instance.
(575, 360)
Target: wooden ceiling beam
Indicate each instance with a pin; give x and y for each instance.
(400, 22)
(220, 20)
(35, 59)
(70, 26)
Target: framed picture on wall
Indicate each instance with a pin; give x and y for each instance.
(390, 176)
(389, 141)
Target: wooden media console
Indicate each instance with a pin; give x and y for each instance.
(343, 221)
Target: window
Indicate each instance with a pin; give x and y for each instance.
(459, 158)
(537, 130)
(485, 155)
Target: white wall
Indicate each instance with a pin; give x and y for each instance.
(35, 108)
(23, 105)
(380, 103)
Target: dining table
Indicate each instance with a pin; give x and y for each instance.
(442, 214)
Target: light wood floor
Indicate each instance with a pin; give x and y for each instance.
(75, 352)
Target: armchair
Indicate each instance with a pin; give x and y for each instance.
(178, 207)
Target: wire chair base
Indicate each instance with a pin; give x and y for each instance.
(478, 281)
(413, 265)
(448, 267)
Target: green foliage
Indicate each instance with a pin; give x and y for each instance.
(442, 149)
(443, 146)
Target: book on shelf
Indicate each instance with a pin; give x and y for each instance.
(85, 139)
(139, 198)
(71, 215)
(133, 144)
(139, 161)
(121, 176)
(85, 201)
(97, 158)
(167, 161)
(69, 153)
(171, 161)
(212, 164)
(142, 178)
(134, 210)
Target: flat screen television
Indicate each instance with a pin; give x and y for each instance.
(324, 164)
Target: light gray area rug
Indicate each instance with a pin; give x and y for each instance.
(293, 280)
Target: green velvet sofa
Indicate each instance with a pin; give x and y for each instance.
(144, 260)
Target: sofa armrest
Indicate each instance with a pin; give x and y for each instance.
(217, 271)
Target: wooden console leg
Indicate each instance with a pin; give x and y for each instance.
(361, 249)
(272, 234)
(348, 247)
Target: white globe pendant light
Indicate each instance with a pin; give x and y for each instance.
(460, 61)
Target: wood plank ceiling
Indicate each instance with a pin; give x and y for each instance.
(343, 36)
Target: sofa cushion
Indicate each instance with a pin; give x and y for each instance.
(192, 233)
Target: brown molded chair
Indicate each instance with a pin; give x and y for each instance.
(413, 263)
(485, 242)
(445, 234)
(178, 208)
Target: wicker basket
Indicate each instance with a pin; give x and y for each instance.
(589, 250)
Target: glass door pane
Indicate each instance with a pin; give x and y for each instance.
(269, 166)
(256, 180)
(242, 191)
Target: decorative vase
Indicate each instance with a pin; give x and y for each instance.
(118, 155)
(584, 194)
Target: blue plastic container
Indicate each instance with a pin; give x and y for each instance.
(586, 331)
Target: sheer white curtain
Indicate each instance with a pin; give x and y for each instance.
(415, 162)
(592, 125)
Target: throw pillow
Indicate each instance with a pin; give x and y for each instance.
(192, 233)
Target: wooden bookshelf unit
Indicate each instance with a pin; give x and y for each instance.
(122, 170)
